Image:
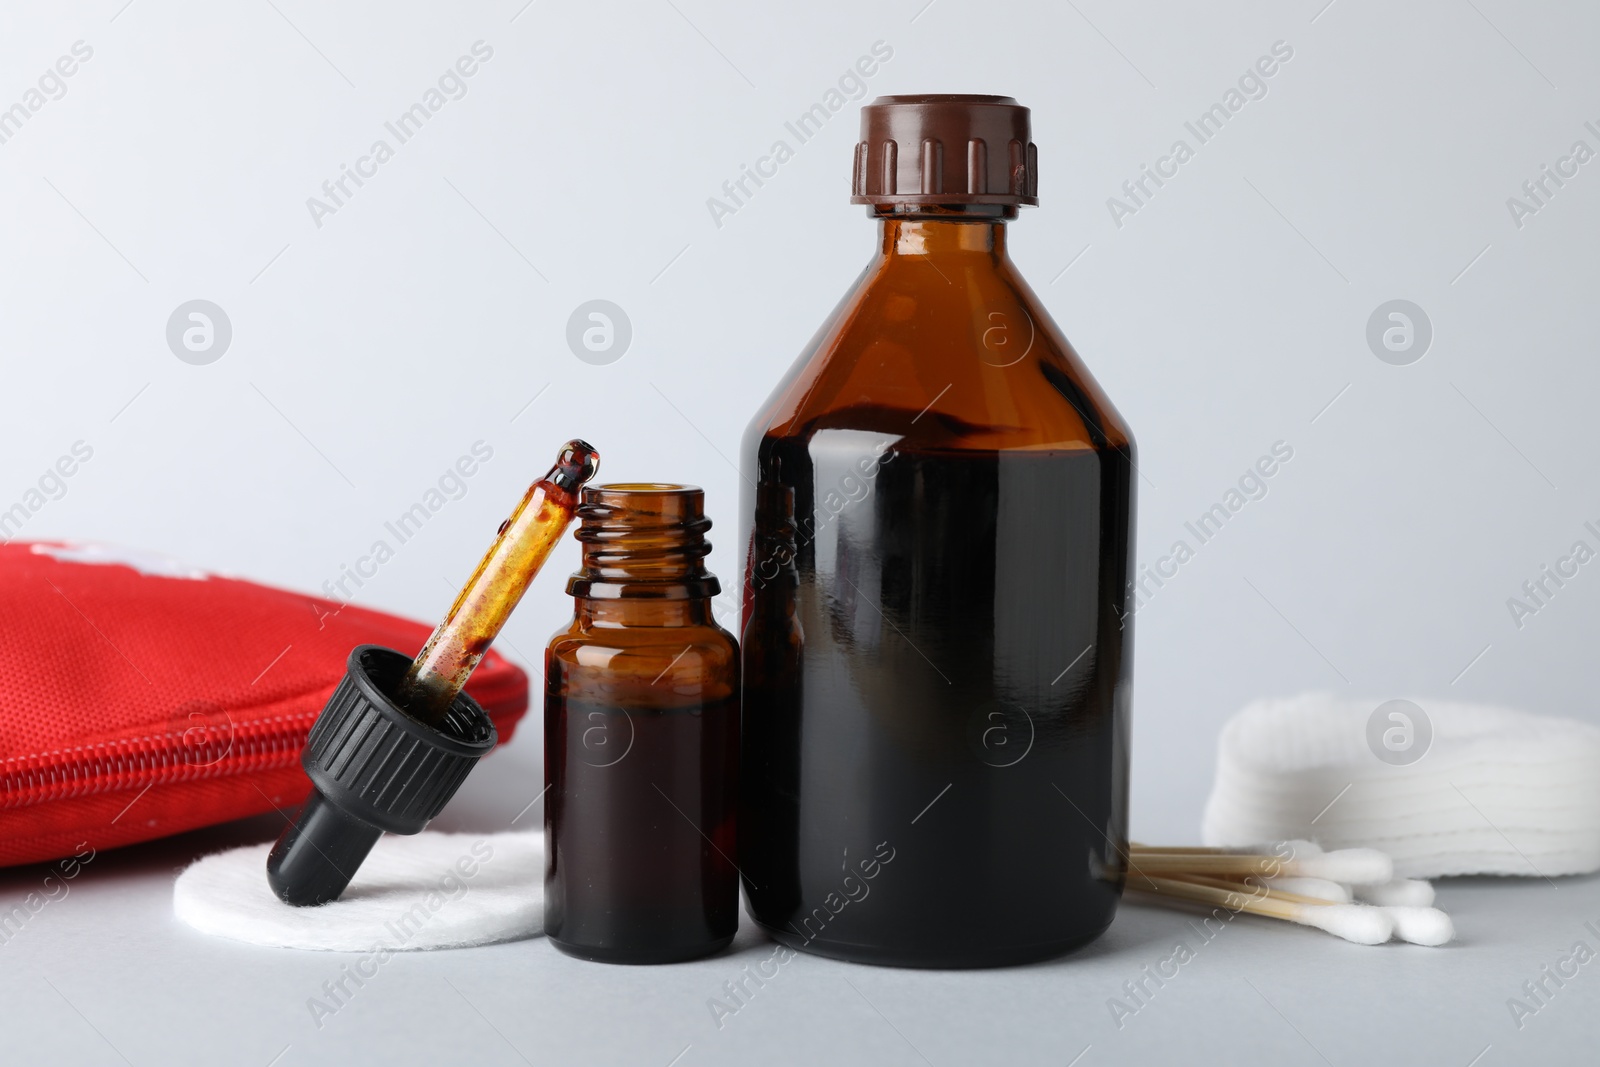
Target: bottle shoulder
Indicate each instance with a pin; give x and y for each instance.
(953, 354)
(708, 643)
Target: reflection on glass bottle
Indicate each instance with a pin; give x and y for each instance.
(775, 637)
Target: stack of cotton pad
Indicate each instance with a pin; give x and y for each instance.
(1494, 791)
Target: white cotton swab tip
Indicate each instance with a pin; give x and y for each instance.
(1421, 926)
(1352, 866)
(1401, 893)
(1354, 922)
(1317, 888)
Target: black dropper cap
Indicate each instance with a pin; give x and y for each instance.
(374, 769)
(398, 736)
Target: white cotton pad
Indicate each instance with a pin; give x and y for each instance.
(427, 891)
(1492, 790)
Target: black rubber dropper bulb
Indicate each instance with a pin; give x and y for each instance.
(398, 736)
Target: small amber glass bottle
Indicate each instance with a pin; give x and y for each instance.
(641, 738)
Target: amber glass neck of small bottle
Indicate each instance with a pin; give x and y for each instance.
(644, 551)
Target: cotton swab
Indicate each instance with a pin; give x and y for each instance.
(1354, 922)
(1355, 866)
(1261, 889)
(1298, 882)
(1422, 926)
(1315, 888)
(1294, 847)
(1405, 892)
(1417, 925)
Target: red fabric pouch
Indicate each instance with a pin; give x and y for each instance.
(141, 698)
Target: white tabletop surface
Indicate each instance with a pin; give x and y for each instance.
(107, 975)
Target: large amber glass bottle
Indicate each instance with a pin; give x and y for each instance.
(936, 656)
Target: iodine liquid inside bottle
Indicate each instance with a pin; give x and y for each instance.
(936, 649)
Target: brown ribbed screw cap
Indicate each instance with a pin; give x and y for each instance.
(945, 149)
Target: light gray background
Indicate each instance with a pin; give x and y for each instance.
(430, 312)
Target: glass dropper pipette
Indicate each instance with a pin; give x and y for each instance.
(492, 593)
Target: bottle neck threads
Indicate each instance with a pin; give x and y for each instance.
(643, 540)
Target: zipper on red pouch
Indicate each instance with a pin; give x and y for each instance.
(137, 763)
(212, 745)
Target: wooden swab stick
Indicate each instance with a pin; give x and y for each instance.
(1261, 890)
(1205, 863)
(1353, 922)
(1322, 889)
(1357, 866)
(1266, 848)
